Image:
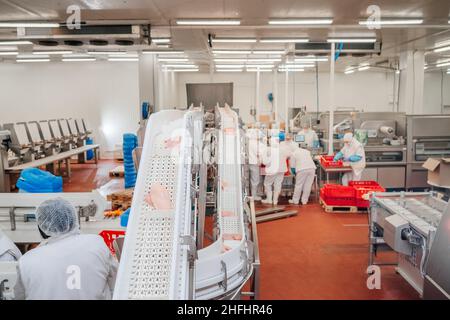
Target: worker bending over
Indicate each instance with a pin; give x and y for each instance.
(353, 152)
(304, 169)
(276, 167)
(289, 143)
(311, 138)
(8, 250)
(256, 153)
(66, 265)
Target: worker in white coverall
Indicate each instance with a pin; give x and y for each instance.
(256, 153)
(304, 169)
(8, 250)
(353, 152)
(67, 265)
(276, 167)
(311, 138)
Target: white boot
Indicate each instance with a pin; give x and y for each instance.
(275, 198)
(292, 202)
(268, 199)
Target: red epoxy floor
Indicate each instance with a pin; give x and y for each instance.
(314, 255)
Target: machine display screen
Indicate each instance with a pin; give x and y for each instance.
(299, 138)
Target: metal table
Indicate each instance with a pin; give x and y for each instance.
(328, 170)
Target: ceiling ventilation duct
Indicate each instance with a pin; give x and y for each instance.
(124, 34)
(348, 48)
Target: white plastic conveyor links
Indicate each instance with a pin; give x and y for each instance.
(223, 266)
(154, 260)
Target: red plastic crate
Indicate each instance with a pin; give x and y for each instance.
(362, 188)
(328, 161)
(345, 202)
(109, 236)
(338, 191)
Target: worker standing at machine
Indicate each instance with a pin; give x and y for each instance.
(8, 250)
(256, 153)
(353, 152)
(66, 265)
(311, 138)
(303, 167)
(276, 167)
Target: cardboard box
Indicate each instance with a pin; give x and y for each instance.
(438, 171)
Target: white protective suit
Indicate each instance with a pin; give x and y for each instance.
(8, 250)
(68, 267)
(310, 136)
(256, 153)
(353, 147)
(305, 169)
(276, 167)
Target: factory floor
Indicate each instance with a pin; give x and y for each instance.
(314, 255)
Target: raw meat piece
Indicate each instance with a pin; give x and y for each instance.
(228, 214)
(234, 236)
(172, 142)
(159, 197)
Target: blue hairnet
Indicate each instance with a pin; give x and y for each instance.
(56, 217)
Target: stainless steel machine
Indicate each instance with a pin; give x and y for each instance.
(415, 225)
(428, 137)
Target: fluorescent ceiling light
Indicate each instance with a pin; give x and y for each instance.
(29, 25)
(229, 70)
(311, 59)
(227, 66)
(108, 52)
(352, 40)
(300, 21)
(298, 65)
(208, 22)
(229, 60)
(231, 51)
(123, 59)
(284, 40)
(260, 66)
(264, 60)
(160, 40)
(444, 64)
(173, 59)
(363, 68)
(443, 49)
(163, 46)
(32, 60)
(277, 52)
(259, 69)
(14, 43)
(390, 22)
(162, 52)
(235, 40)
(52, 52)
(8, 53)
(78, 59)
(349, 71)
(184, 70)
(290, 70)
(180, 66)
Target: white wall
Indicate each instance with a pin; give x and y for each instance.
(435, 84)
(105, 94)
(368, 91)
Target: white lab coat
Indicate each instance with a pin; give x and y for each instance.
(354, 148)
(69, 267)
(310, 137)
(8, 250)
(276, 167)
(305, 169)
(256, 153)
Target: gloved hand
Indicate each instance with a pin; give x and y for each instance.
(293, 171)
(338, 156)
(354, 158)
(316, 144)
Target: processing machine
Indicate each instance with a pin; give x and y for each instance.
(416, 226)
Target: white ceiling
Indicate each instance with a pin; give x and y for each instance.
(254, 14)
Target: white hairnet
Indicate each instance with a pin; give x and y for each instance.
(56, 217)
(348, 137)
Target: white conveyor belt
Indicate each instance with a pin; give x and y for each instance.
(223, 266)
(154, 261)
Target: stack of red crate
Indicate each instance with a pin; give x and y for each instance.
(328, 161)
(362, 188)
(337, 195)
